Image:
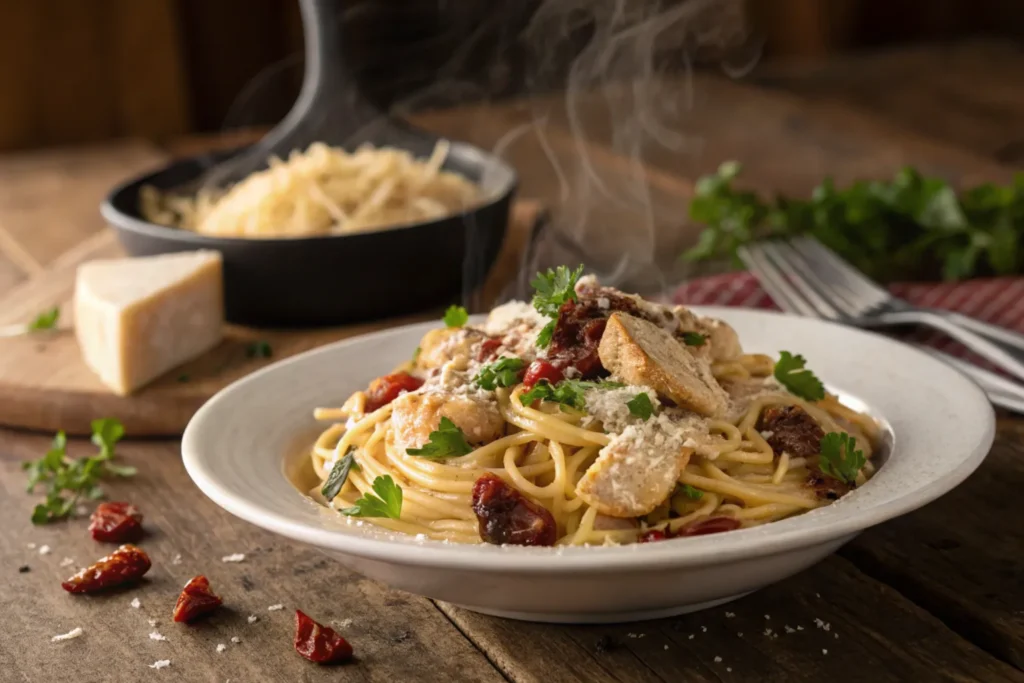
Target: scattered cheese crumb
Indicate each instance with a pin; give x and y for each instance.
(837, 636)
(717, 659)
(789, 629)
(799, 628)
(666, 647)
(44, 550)
(691, 636)
(66, 562)
(274, 608)
(729, 669)
(160, 664)
(636, 635)
(235, 639)
(730, 615)
(824, 651)
(768, 632)
(253, 618)
(704, 629)
(81, 510)
(176, 559)
(739, 634)
(767, 616)
(344, 623)
(136, 603)
(221, 647)
(157, 636)
(73, 633)
(237, 557)
(817, 595)
(153, 622)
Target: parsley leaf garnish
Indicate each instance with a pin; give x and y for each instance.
(504, 372)
(568, 392)
(640, 406)
(447, 441)
(387, 502)
(839, 459)
(68, 480)
(46, 320)
(792, 374)
(455, 316)
(691, 492)
(258, 349)
(553, 289)
(694, 338)
(339, 474)
(416, 354)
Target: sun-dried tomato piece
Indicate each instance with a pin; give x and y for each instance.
(126, 564)
(711, 525)
(488, 349)
(654, 535)
(791, 430)
(386, 389)
(541, 369)
(508, 517)
(196, 599)
(116, 523)
(317, 643)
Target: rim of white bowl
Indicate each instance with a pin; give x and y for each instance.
(777, 537)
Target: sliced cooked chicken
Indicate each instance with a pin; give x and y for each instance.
(633, 475)
(639, 352)
(414, 416)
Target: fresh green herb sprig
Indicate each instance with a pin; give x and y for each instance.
(568, 392)
(447, 441)
(694, 338)
(641, 406)
(68, 480)
(259, 349)
(504, 372)
(386, 503)
(47, 320)
(839, 457)
(552, 289)
(911, 227)
(339, 474)
(691, 492)
(797, 379)
(456, 316)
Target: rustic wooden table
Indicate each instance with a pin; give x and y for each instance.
(935, 595)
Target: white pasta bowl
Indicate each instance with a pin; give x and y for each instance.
(246, 445)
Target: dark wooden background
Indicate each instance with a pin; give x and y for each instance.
(73, 71)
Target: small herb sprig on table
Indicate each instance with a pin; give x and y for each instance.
(68, 480)
(910, 227)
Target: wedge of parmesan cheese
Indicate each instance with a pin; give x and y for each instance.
(137, 318)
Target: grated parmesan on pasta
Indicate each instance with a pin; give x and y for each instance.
(321, 191)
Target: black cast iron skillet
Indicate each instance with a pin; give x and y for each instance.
(339, 278)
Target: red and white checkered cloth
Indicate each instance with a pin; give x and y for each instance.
(999, 301)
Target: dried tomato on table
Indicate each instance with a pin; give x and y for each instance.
(319, 643)
(386, 389)
(125, 565)
(196, 599)
(115, 522)
(507, 517)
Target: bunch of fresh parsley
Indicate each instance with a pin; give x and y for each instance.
(67, 480)
(385, 501)
(792, 373)
(447, 441)
(911, 227)
(504, 372)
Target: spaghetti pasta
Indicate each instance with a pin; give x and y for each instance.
(742, 467)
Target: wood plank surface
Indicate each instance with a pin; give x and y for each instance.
(396, 637)
(830, 623)
(50, 199)
(965, 94)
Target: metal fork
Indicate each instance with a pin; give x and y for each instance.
(781, 284)
(843, 294)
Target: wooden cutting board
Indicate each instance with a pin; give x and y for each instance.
(45, 385)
